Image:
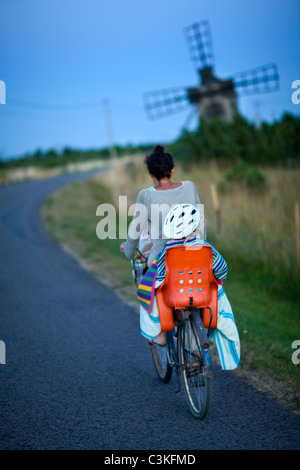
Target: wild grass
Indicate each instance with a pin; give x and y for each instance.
(257, 239)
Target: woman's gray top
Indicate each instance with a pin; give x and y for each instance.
(151, 209)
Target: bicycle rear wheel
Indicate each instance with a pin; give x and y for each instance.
(160, 357)
(197, 386)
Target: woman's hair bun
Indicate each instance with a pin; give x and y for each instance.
(159, 163)
(158, 149)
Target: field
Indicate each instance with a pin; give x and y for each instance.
(255, 232)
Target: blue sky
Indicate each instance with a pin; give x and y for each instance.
(70, 55)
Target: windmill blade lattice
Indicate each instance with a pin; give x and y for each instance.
(198, 37)
(165, 102)
(261, 79)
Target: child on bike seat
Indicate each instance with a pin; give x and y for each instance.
(181, 226)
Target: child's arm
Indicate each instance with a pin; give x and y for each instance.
(220, 267)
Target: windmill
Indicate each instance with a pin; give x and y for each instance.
(213, 97)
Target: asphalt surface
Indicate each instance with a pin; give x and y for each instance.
(79, 375)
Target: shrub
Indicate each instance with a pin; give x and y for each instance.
(246, 175)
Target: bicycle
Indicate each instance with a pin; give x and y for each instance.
(187, 313)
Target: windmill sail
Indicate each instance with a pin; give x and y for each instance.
(258, 80)
(198, 37)
(162, 103)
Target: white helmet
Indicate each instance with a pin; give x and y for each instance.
(181, 221)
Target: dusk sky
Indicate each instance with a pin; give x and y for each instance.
(61, 58)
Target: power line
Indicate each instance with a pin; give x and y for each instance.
(31, 115)
(24, 109)
(53, 107)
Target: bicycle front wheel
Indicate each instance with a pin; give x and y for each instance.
(197, 386)
(162, 365)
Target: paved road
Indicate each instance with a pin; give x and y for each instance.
(78, 375)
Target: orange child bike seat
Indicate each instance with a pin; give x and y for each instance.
(189, 281)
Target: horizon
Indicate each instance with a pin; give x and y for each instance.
(60, 151)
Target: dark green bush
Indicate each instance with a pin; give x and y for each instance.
(246, 175)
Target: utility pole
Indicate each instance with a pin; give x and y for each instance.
(112, 151)
(109, 129)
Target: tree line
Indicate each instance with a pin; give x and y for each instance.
(240, 141)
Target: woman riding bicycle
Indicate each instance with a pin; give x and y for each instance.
(153, 205)
(158, 200)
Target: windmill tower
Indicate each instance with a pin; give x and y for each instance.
(213, 97)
